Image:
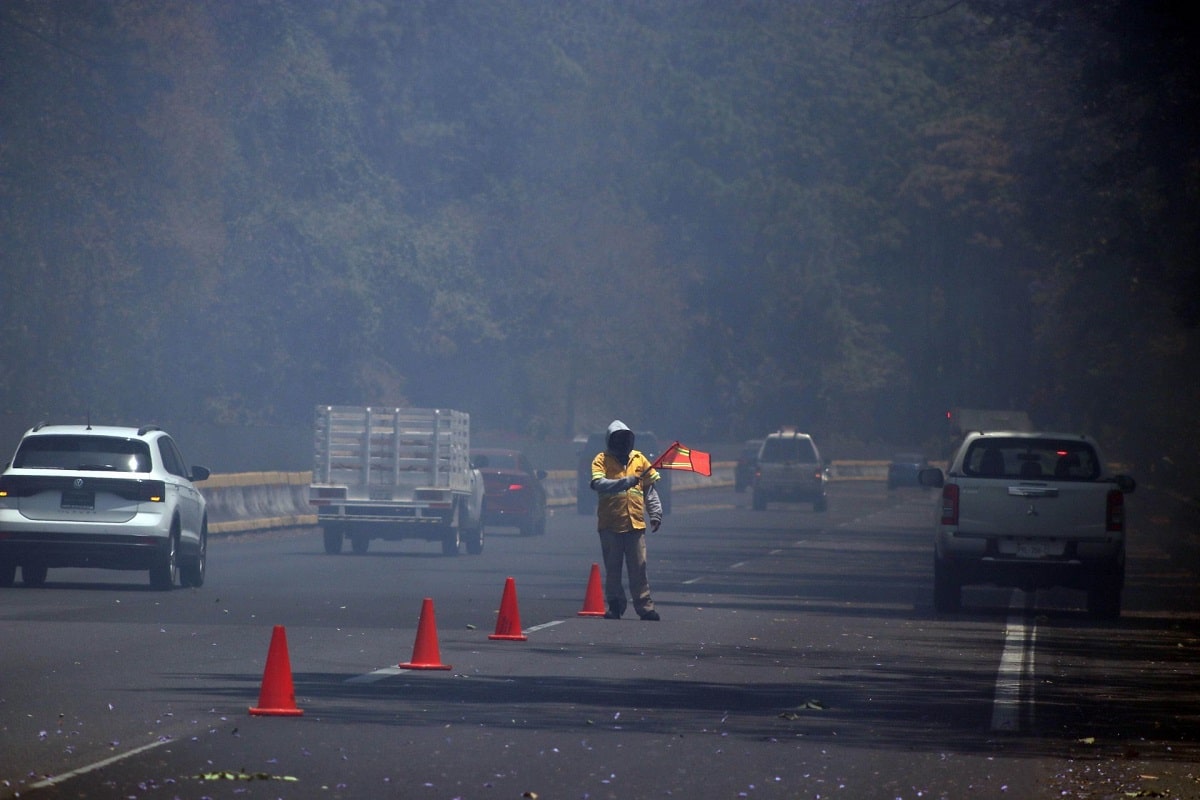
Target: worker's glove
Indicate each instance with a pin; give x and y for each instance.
(628, 482)
(654, 523)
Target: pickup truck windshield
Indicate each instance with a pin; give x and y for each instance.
(1032, 459)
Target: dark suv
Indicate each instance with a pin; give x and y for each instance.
(644, 442)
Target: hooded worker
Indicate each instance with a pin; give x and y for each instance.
(624, 480)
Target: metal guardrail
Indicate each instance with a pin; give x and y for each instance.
(251, 501)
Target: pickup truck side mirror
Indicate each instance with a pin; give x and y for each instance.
(931, 477)
(202, 474)
(1126, 483)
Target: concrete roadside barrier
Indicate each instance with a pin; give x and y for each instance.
(250, 501)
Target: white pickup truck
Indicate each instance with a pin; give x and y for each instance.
(1029, 510)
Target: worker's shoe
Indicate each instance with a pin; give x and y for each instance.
(615, 611)
(650, 616)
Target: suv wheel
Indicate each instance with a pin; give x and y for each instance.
(759, 501)
(191, 570)
(164, 574)
(8, 573)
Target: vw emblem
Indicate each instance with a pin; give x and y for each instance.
(1032, 512)
(78, 483)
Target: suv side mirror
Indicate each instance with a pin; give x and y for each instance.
(199, 474)
(931, 477)
(1126, 483)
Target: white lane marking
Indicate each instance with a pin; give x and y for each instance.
(55, 779)
(690, 581)
(545, 625)
(377, 675)
(388, 672)
(738, 565)
(1016, 670)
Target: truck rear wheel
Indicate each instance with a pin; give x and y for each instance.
(1104, 602)
(333, 541)
(1104, 592)
(473, 539)
(359, 542)
(450, 542)
(947, 591)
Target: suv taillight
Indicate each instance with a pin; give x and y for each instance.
(950, 504)
(1114, 517)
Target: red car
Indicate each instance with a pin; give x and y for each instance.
(512, 490)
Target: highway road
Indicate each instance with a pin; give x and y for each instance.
(798, 656)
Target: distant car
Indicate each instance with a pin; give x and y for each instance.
(106, 497)
(513, 494)
(644, 442)
(904, 469)
(743, 471)
(790, 468)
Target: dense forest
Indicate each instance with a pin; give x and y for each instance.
(707, 217)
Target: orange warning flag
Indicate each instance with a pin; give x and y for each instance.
(684, 459)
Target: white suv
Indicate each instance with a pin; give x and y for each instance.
(101, 496)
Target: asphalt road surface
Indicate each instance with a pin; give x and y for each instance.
(798, 656)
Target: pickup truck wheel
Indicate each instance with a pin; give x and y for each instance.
(1104, 599)
(450, 542)
(1104, 603)
(473, 539)
(821, 505)
(759, 501)
(359, 542)
(8, 573)
(333, 541)
(947, 591)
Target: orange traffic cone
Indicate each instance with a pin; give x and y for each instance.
(508, 624)
(426, 654)
(277, 697)
(593, 602)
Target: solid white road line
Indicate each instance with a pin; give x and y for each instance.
(1014, 679)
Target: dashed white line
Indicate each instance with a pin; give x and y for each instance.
(388, 672)
(56, 779)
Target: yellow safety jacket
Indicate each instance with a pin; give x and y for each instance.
(623, 511)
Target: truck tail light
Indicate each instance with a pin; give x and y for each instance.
(950, 504)
(1115, 511)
